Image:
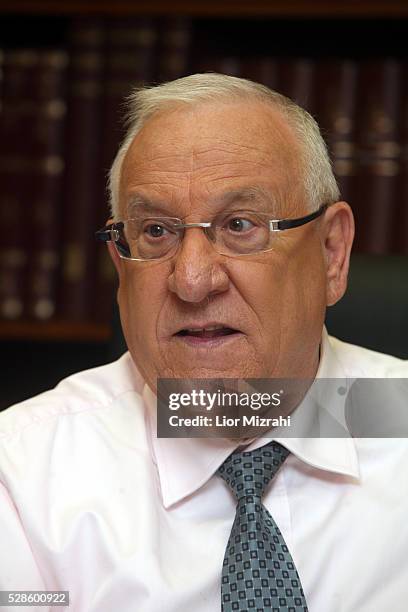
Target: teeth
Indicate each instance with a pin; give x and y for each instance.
(202, 329)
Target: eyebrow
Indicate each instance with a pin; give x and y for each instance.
(140, 204)
(254, 194)
(257, 195)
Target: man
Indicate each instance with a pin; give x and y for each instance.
(92, 501)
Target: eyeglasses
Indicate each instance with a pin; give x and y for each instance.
(234, 234)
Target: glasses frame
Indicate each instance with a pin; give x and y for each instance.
(110, 233)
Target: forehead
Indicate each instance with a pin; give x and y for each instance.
(191, 155)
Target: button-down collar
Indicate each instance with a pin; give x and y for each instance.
(186, 464)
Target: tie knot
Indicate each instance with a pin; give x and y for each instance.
(249, 472)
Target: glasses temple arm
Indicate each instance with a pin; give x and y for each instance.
(291, 223)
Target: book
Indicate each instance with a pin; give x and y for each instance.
(336, 83)
(173, 52)
(400, 228)
(13, 255)
(261, 69)
(44, 148)
(131, 60)
(378, 154)
(84, 179)
(31, 167)
(229, 65)
(296, 80)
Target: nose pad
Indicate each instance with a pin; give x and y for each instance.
(205, 227)
(210, 235)
(195, 239)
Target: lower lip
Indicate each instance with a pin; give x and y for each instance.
(214, 342)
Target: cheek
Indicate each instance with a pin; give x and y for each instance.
(305, 290)
(141, 298)
(261, 290)
(286, 293)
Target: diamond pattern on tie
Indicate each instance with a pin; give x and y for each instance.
(258, 570)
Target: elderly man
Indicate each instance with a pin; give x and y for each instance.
(230, 241)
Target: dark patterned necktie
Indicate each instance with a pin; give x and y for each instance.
(258, 571)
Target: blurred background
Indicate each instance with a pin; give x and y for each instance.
(65, 68)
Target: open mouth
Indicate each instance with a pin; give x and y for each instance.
(216, 331)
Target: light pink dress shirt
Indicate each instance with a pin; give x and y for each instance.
(92, 502)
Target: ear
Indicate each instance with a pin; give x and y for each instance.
(338, 235)
(117, 262)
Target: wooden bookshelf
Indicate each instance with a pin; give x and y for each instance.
(66, 331)
(25, 13)
(223, 8)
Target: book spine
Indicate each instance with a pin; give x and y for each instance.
(175, 35)
(13, 255)
(1, 78)
(46, 164)
(336, 82)
(229, 65)
(84, 177)
(378, 155)
(401, 216)
(16, 177)
(262, 70)
(131, 60)
(296, 80)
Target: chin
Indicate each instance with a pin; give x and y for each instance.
(199, 371)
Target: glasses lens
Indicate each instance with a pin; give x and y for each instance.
(149, 238)
(242, 232)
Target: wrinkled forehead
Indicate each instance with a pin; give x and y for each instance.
(208, 150)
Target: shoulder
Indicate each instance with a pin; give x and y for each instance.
(71, 452)
(357, 361)
(85, 393)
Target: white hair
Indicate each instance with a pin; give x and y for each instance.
(319, 181)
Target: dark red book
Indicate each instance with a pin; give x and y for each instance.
(229, 65)
(17, 67)
(1, 74)
(131, 60)
(400, 232)
(31, 168)
(378, 155)
(84, 177)
(336, 84)
(262, 70)
(45, 150)
(296, 80)
(173, 54)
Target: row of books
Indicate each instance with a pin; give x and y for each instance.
(59, 131)
(60, 128)
(362, 110)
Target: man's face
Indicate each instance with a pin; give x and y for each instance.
(268, 308)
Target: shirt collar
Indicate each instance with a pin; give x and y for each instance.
(186, 464)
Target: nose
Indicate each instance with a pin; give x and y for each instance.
(199, 271)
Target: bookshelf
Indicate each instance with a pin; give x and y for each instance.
(223, 8)
(218, 31)
(65, 331)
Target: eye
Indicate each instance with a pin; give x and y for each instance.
(155, 230)
(238, 224)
